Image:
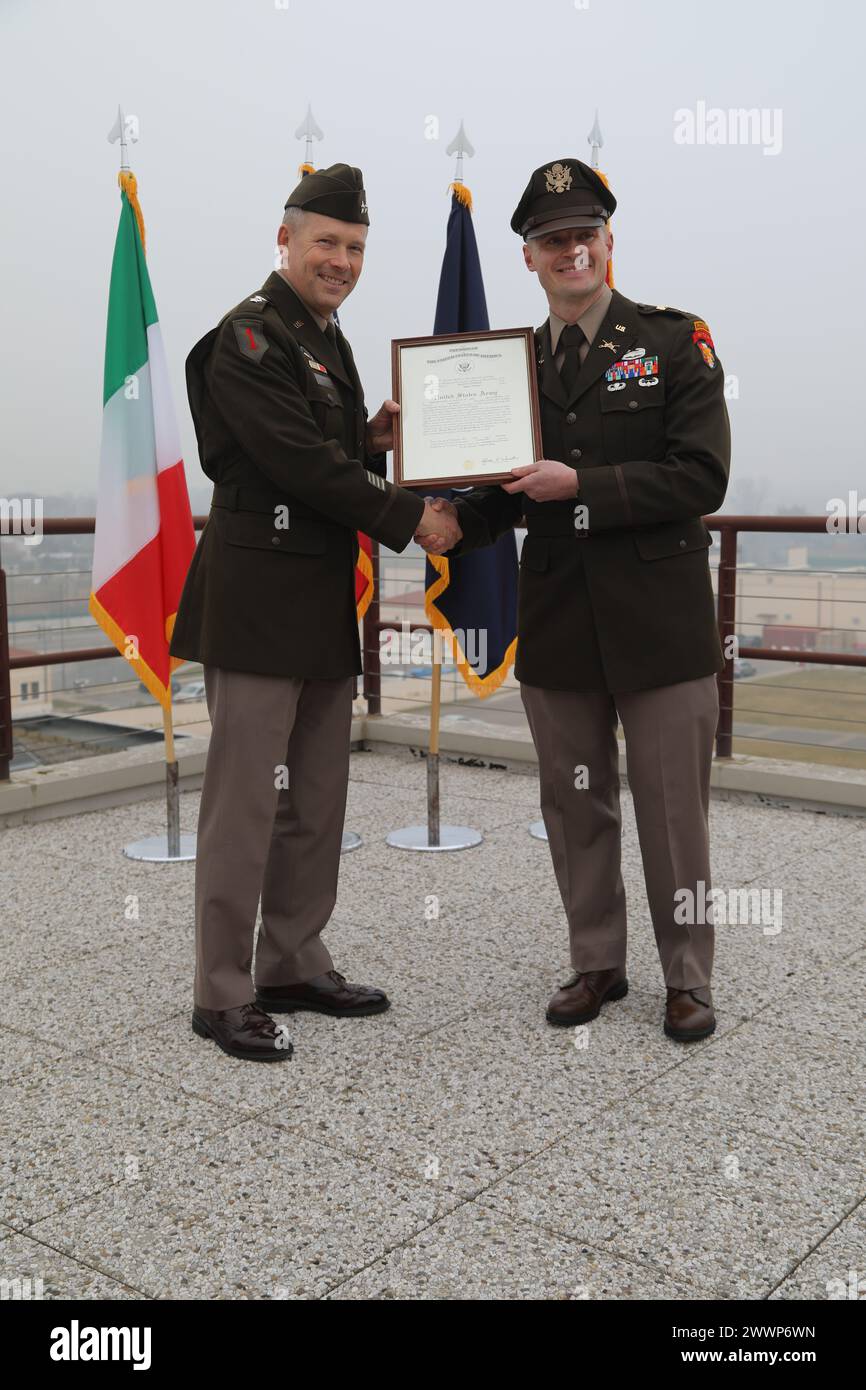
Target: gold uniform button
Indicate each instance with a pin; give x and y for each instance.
(632, 405)
(570, 418)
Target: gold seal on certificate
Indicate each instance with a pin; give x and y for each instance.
(468, 407)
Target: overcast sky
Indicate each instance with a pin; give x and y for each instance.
(767, 247)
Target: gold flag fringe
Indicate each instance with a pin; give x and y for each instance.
(129, 186)
(609, 276)
(461, 193)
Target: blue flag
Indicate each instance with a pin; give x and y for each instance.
(474, 596)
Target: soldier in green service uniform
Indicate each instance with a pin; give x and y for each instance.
(269, 609)
(616, 610)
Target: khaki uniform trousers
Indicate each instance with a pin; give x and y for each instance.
(261, 839)
(669, 732)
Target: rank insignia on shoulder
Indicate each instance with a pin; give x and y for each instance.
(258, 299)
(663, 309)
(250, 338)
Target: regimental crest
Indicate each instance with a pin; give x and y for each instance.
(557, 178)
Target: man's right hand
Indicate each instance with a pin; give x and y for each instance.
(438, 529)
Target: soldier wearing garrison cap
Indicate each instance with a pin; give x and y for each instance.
(269, 609)
(616, 612)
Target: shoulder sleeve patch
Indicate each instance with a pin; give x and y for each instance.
(703, 340)
(250, 337)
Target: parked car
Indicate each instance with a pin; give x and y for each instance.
(175, 687)
(743, 669)
(193, 690)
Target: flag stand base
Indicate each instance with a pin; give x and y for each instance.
(351, 840)
(538, 830)
(154, 850)
(417, 837)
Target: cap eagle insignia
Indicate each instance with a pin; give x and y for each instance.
(557, 178)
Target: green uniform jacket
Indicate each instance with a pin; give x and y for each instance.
(620, 598)
(280, 420)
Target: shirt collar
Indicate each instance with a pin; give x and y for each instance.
(590, 322)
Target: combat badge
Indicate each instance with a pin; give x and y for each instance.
(250, 338)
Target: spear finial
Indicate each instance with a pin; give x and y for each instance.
(118, 132)
(460, 145)
(309, 131)
(596, 140)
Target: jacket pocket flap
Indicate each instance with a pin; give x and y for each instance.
(257, 531)
(673, 538)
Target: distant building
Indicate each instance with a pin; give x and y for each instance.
(30, 686)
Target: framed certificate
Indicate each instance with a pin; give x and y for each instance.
(468, 407)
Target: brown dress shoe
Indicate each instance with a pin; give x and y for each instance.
(244, 1032)
(324, 994)
(688, 1017)
(581, 998)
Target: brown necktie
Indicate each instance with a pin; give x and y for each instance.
(570, 340)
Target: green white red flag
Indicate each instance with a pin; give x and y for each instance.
(144, 532)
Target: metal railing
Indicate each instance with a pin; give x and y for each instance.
(729, 527)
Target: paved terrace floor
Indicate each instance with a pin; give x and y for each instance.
(457, 1146)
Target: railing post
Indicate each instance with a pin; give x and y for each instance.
(727, 613)
(5, 687)
(372, 664)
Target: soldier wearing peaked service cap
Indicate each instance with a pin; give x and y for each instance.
(616, 614)
(269, 609)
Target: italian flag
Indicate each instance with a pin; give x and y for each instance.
(144, 533)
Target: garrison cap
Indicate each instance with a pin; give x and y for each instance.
(566, 193)
(334, 192)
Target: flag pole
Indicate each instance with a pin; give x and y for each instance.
(172, 845)
(434, 835)
(433, 750)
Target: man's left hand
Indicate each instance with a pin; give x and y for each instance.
(380, 428)
(544, 481)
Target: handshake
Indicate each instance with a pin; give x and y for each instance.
(438, 529)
